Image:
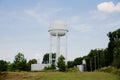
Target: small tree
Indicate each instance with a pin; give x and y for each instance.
(70, 64)
(78, 61)
(20, 62)
(61, 63)
(51, 67)
(3, 65)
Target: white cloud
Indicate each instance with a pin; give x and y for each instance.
(109, 7)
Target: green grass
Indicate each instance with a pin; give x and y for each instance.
(58, 76)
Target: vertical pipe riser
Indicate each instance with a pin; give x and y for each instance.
(50, 54)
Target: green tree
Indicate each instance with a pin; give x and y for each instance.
(20, 63)
(32, 61)
(113, 48)
(70, 64)
(3, 65)
(96, 59)
(61, 64)
(11, 67)
(113, 37)
(78, 61)
(51, 67)
(106, 53)
(116, 51)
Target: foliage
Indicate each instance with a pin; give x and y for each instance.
(110, 69)
(61, 64)
(51, 67)
(32, 61)
(70, 64)
(114, 48)
(74, 69)
(116, 55)
(20, 63)
(3, 65)
(98, 58)
(78, 61)
(11, 67)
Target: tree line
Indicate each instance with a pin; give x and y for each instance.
(98, 58)
(19, 64)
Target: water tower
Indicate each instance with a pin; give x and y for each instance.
(58, 29)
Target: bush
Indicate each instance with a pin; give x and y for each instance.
(3, 65)
(70, 64)
(110, 69)
(106, 69)
(51, 67)
(74, 69)
(119, 72)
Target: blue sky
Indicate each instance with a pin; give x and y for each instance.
(24, 25)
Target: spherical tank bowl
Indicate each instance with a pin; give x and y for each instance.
(58, 28)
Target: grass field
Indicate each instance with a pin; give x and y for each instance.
(58, 76)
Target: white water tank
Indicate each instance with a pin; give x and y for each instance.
(58, 27)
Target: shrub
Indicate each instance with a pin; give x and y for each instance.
(51, 67)
(3, 65)
(74, 69)
(110, 69)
